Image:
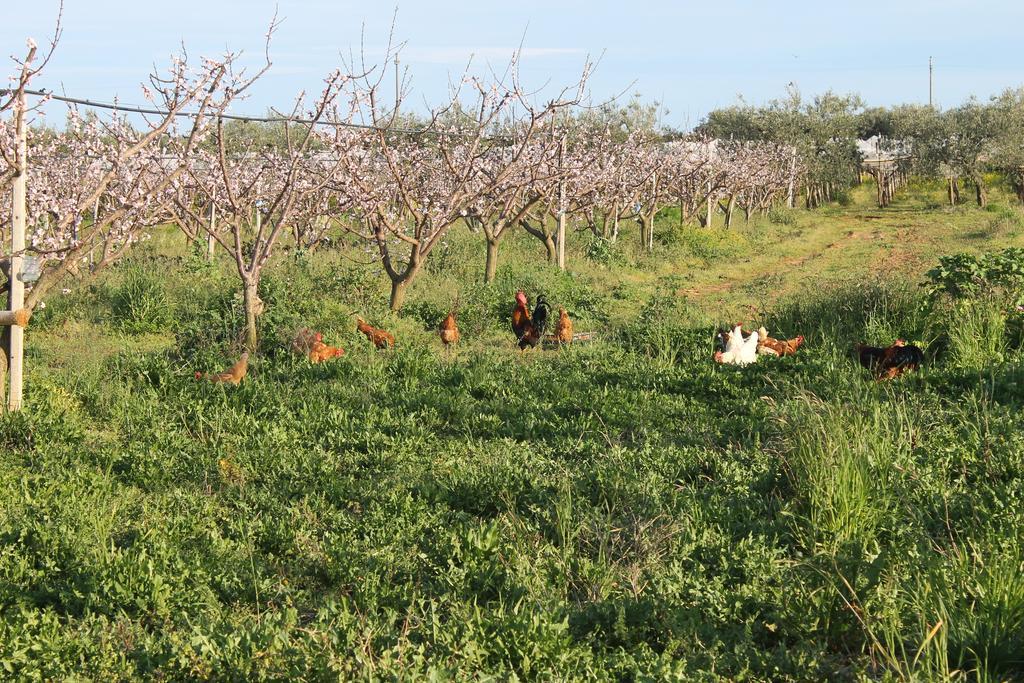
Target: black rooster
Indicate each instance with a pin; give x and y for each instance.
(529, 329)
(890, 362)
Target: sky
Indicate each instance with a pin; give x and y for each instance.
(690, 56)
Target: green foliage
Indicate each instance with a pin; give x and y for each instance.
(603, 251)
(618, 510)
(975, 333)
(823, 131)
(781, 216)
(965, 275)
(139, 303)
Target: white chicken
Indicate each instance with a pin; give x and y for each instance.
(738, 351)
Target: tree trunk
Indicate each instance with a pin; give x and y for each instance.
(547, 238)
(954, 191)
(491, 268)
(397, 294)
(400, 284)
(253, 308)
(551, 248)
(980, 192)
(641, 222)
(791, 190)
(729, 209)
(1018, 188)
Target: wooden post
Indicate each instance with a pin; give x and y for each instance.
(711, 211)
(654, 211)
(791, 192)
(561, 206)
(210, 241)
(16, 295)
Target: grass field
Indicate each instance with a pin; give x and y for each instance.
(622, 510)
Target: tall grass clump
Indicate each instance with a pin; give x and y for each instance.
(139, 303)
(842, 315)
(962, 617)
(974, 332)
(664, 327)
(781, 216)
(841, 461)
(976, 302)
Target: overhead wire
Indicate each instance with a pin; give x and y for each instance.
(237, 117)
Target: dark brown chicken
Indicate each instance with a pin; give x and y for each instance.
(891, 361)
(899, 358)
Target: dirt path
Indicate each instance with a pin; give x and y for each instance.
(835, 244)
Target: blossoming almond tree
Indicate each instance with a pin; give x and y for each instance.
(410, 190)
(121, 167)
(257, 192)
(757, 175)
(582, 172)
(516, 179)
(642, 187)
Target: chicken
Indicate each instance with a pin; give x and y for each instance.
(233, 375)
(738, 351)
(380, 338)
(304, 340)
(563, 330)
(898, 359)
(449, 330)
(529, 330)
(311, 344)
(721, 340)
(890, 362)
(768, 346)
(868, 356)
(321, 352)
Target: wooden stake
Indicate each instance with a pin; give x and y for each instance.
(654, 211)
(16, 295)
(210, 241)
(791, 192)
(561, 208)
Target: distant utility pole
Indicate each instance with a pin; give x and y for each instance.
(930, 81)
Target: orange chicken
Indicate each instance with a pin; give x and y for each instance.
(380, 338)
(321, 352)
(563, 330)
(449, 330)
(233, 375)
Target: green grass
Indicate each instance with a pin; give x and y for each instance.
(623, 510)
